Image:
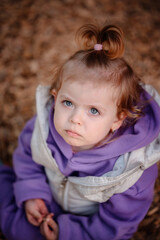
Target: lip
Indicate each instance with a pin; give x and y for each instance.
(72, 133)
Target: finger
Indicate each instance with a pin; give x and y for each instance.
(33, 221)
(53, 225)
(42, 229)
(39, 218)
(44, 210)
(50, 215)
(36, 216)
(47, 232)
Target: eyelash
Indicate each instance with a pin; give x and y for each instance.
(68, 103)
(97, 112)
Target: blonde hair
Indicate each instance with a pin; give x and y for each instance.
(107, 60)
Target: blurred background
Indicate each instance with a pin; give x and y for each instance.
(37, 35)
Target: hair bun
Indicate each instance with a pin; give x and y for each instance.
(110, 37)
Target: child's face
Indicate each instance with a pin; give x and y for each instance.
(85, 114)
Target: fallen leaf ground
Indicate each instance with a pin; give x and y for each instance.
(36, 35)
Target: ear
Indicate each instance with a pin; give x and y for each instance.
(118, 121)
(54, 94)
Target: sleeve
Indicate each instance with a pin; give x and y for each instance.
(31, 180)
(117, 219)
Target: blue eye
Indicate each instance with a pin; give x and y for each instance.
(67, 103)
(94, 111)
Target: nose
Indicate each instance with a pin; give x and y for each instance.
(77, 117)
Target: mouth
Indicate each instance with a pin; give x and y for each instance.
(72, 133)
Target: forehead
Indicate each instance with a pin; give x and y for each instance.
(97, 77)
(87, 93)
(76, 70)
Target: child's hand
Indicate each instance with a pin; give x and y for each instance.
(36, 210)
(49, 228)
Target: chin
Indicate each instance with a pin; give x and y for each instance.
(72, 142)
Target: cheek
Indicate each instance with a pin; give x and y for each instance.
(57, 119)
(60, 118)
(97, 131)
(101, 129)
(102, 132)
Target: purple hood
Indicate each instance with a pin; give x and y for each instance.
(93, 161)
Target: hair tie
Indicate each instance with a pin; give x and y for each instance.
(98, 47)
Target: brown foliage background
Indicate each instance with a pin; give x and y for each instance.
(36, 35)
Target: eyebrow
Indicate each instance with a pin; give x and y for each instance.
(65, 96)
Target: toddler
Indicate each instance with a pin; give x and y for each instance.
(85, 166)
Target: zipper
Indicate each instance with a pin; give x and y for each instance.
(64, 181)
(64, 186)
